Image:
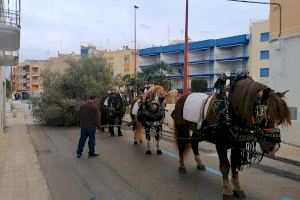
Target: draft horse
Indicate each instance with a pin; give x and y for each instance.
(241, 116)
(112, 108)
(148, 112)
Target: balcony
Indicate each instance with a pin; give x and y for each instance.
(9, 58)
(35, 74)
(9, 32)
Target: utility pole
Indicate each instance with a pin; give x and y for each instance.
(135, 49)
(186, 49)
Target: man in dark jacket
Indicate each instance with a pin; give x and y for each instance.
(89, 120)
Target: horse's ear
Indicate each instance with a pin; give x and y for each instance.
(281, 94)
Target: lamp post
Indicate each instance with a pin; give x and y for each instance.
(186, 49)
(135, 48)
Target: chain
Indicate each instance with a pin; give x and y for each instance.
(284, 160)
(290, 144)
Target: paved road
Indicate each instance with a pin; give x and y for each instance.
(123, 171)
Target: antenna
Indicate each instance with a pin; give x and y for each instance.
(168, 34)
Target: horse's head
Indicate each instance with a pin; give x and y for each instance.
(261, 110)
(115, 102)
(156, 91)
(270, 112)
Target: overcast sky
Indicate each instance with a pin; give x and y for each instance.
(49, 26)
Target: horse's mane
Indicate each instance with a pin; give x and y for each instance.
(243, 97)
(158, 90)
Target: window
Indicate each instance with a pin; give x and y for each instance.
(293, 111)
(264, 55)
(126, 60)
(264, 72)
(264, 37)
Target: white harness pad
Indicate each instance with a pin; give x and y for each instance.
(106, 101)
(193, 109)
(135, 107)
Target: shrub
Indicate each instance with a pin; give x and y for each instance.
(64, 93)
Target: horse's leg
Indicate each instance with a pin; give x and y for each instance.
(195, 144)
(134, 127)
(148, 152)
(182, 136)
(103, 122)
(235, 164)
(158, 151)
(119, 126)
(224, 168)
(111, 127)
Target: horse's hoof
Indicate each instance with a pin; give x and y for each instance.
(228, 197)
(102, 130)
(112, 135)
(120, 134)
(239, 194)
(148, 152)
(182, 170)
(201, 167)
(135, 142)
(158, 152)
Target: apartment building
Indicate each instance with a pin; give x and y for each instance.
(27, 79)
(285, 51)
(119, 61)
(259, 51)
(207, 59)
(9, 46)
(59, 63)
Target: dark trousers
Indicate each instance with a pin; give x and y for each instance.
(84, 134)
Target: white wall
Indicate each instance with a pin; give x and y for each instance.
(285, 69)
(2, 103)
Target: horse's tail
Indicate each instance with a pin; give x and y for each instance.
(181, 132)
(182, 137)
(139, 131)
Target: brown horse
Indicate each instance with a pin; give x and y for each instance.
(145, 117)
(242, 120)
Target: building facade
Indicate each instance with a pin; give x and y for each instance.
(27, 79)
(259, 50)
(59, 63)
(207, 59)
(120, 62)
(9, 46)
(285, 51)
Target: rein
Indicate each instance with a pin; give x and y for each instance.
(245, 138)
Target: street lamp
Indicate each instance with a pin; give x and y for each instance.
(186, 49)
(135, 48)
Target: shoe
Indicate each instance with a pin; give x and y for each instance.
(93, 155)
(79, 155)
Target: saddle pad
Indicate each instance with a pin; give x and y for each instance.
(194, 106)
(207, 105)
(135, 108)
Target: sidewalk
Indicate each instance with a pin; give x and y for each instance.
(20, 173)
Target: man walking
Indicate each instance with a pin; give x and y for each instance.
(89, 120)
